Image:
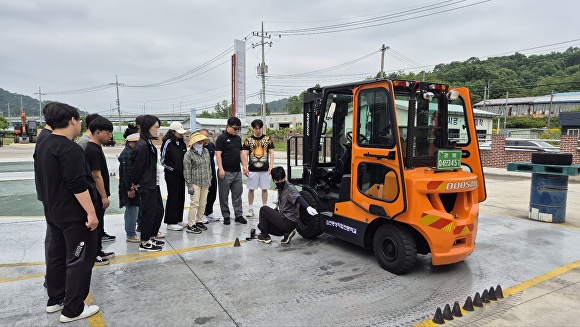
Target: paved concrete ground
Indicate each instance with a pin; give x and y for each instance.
(204, 280)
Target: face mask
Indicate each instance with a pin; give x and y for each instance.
(280, 185)
(198, 148)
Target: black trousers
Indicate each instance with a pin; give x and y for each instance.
(70, 251)
(175, 198)
(273, 222)
(100, 212)
(211, 196)
(151, 212)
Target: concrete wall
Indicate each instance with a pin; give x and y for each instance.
(499, 157)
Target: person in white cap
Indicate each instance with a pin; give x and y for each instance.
(173, 150)
(129, 198)
(197, 174)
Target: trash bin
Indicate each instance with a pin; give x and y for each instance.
(548, 198)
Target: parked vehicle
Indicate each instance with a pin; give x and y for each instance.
(523, 145)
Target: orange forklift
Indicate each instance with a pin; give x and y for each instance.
(392, 166)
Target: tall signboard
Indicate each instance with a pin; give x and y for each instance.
(239, 80)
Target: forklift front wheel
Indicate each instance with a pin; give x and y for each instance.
(395, 248)
(309, 226)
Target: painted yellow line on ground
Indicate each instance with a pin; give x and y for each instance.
(125, 258)
(95, 320)
(519, 287)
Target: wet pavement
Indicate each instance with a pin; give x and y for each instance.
(204, 280)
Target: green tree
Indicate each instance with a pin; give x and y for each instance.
(223, 109)
(205, 114)
(3, 123)
(294, 104)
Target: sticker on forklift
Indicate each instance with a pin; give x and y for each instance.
(342, 226)
(448, 159)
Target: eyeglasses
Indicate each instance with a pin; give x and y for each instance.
(236, 128)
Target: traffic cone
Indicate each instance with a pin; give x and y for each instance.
(468, 306)
(492, 295)
(447, 312)
(477, 300)
(456, 311)
(438, 318)
(498, 292)
(485, 296)
(237, 242)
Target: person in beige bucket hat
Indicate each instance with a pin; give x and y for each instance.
(197, 174)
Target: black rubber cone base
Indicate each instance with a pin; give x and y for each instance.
(477, 300)
(447, 313)
(485, 296)
(438, 318)
(237, 242)
(492, 295)
(456, 311)
(499, 292)
(468, 306)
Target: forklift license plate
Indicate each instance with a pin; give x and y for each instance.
(448, 159)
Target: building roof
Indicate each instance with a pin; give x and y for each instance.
(569, 97)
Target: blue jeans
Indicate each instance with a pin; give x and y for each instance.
(131, 214)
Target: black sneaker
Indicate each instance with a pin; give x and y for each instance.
(157, 242)
(106, 255)
(226, 221)
(264, 239)
(138, 229)
(193, 229)
(288, 237)
(200, 226)
(241, 220)
(149, 247)
(108, 238)
(101, 262)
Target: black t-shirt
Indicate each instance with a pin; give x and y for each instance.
(62, 173)
(97, 161)
(230, 146)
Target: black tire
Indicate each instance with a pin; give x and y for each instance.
(395, 248)
(309, 226)
(547, 158)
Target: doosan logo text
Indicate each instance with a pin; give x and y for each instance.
(461, 185)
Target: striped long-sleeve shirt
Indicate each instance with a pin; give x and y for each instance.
(196, 168)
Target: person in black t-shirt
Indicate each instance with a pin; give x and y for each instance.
(67, 191)
(228, 153)
(101, 130)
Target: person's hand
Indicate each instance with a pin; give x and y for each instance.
(131, 194)
(106, 202)
(246, 171)
(190, 190)
(311, 211)
(92, 221)
(221, 174)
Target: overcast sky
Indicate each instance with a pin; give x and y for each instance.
(74, 49)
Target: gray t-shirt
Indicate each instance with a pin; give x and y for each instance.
(287, 204)
(83, 141)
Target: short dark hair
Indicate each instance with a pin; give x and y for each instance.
(58, 115)
(234, 121)
(131, 129)
(90, 118)
(148, 122)
(139, 120)
(100, 123)
(257, 123)
(46, 111)
(278, 173)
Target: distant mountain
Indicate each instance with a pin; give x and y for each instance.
(12, 101)
(274, 106)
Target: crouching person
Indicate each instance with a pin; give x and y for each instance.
(282, 220)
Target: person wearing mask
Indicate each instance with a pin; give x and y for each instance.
(68, 196)
(197, 173)
(145, 180)
(282, 220)
(228, 153)
(128, 198)
(212, 194)
(173, 150)
(101, 131)
(257, 162)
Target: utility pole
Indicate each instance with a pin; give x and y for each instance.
(505, 109)
(383, 50)
(40, 104)
(550, 109)
(118, 101)
(262, 68)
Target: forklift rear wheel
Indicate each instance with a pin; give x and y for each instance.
(395, 248)
(309, 226)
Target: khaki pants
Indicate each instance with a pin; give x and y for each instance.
(197, 204)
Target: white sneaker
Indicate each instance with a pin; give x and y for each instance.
(176, 227)
(160, 235)
(250, 213)
(87, 312)
(213, 218)
(204, 220)
(181, 223)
